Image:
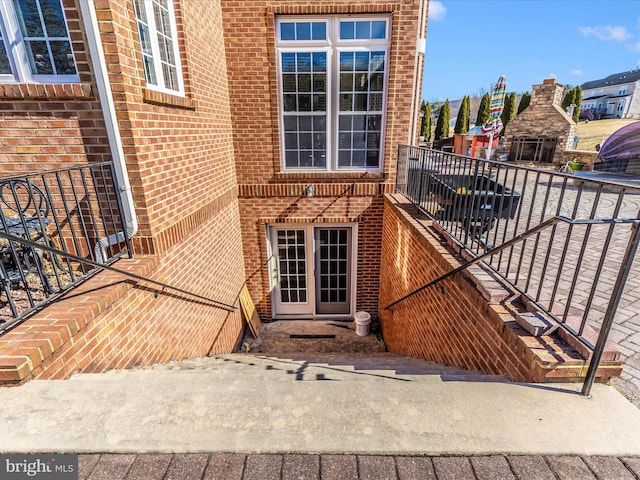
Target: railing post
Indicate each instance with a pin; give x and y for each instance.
(623, 273)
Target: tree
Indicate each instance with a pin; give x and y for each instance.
(462, 121)
(524, 102)
(483, 110)
(442, 125)
(578, 102)
(509, 111)
(467, 109)
(425, 127)
(569, 98)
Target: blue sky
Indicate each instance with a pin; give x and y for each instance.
(470, 43)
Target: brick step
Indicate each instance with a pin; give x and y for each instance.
(573, 320)
(39, 345)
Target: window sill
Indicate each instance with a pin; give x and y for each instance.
(166, 99)
(56, 91)
(334, 175)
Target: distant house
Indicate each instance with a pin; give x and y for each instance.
(616, 96)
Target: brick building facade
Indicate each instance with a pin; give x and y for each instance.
(201, 96)
(292, 192)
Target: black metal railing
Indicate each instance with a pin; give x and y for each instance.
(65, 211)
(569, 270)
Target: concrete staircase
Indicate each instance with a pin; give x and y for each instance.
(352, 366)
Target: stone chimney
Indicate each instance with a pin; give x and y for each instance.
(549, 93)
(542, 127)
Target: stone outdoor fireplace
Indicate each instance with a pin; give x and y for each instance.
(541, 132)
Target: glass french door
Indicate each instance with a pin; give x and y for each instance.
(312, 272)
(333, 270)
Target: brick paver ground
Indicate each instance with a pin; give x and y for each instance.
(228, 466)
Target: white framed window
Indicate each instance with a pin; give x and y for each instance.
(159, 43)
(35, 46)
(332, 81)
(622, 90)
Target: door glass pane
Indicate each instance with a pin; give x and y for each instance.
(292, 271)
(333, 259)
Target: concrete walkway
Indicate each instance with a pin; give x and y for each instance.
(374, 405)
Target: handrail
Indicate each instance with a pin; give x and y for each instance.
(215, 303)
(513, 241)
(623, 273)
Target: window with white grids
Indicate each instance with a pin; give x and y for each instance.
(35, 46)
(159, 44)
(333, 75)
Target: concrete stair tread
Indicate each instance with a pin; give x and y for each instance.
(302, 366)
(379, 361)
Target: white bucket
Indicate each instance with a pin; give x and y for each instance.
(363, 319)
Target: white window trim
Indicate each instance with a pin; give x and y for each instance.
(155, 49)
(332, 46)
(17, 52)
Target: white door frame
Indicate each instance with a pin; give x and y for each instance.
(307, 309)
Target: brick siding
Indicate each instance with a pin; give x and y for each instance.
(121, 323)
(269, 195)
(179, 153)
(365, 212)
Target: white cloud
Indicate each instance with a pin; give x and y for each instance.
(606, 33)
(437, 11)
(635, 47)
(577, 72)
(552, 75)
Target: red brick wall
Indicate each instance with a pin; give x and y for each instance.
(468, 320)
(117, 327)
(179, 153)
(179, 150)
(364, 211)
(268, 195)
(451, 323)
(50, 126)
(251, 59)
(181, 164)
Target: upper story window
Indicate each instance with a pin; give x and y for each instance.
(622, 90)
(332, 74)
(159, 42)
(35, 46)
